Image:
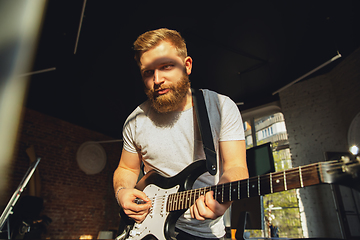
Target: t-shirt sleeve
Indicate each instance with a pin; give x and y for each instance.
(129, 134)
(231, 122)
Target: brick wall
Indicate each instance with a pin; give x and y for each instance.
(318, 113)
(78, 204)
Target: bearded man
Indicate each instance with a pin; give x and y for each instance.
(162, 134)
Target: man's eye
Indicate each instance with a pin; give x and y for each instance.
(167, 67)
(148, 73)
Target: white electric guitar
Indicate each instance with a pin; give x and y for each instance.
(171, 197)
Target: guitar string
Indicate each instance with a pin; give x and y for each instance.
(254, 180)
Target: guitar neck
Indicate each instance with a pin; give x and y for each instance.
(255, 186)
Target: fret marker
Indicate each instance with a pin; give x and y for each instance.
(230, 192)
(222, 196)
(248, 190)
(277, 180)
(301, 179)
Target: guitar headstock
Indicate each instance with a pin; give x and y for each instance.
(344, 172)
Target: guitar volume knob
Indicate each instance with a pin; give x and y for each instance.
(134, 233)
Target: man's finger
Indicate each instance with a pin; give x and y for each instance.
(200, 205)
(141, 195)
(196, 212)
(138, 218)
(210, 201)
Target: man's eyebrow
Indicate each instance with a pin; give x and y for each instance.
(152, 66)
(166, 62)
(142, 68)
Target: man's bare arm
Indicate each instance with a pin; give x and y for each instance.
(234, 161)
(127, 171)
(125, 177)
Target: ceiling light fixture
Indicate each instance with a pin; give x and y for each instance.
(80, 24)
(309, 73)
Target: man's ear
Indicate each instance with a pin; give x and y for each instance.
(188, 65)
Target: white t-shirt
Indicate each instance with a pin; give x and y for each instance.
(168, 143)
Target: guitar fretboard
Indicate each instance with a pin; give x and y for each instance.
(255, 186)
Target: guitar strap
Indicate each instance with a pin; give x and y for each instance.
(205, 130)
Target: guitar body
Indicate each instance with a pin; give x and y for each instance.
(157, 188)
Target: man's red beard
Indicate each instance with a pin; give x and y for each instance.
(172, 99)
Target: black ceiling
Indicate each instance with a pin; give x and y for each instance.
(244, 49)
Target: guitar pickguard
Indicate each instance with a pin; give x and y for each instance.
(155, 220)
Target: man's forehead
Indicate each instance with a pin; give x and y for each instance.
(164, 50)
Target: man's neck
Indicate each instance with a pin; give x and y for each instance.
(187, 102)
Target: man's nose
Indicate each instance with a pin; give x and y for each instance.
(157, 77)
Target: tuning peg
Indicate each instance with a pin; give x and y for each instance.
(345, 159)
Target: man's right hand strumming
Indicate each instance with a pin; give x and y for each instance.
(127, 200)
